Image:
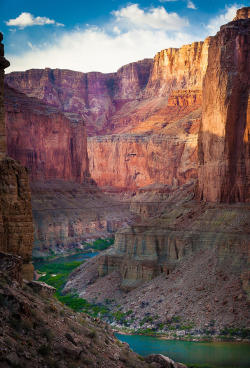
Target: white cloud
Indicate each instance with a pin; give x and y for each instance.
(96, 50)
(155, 18)
(116, 30)
(132, 34)
(28, 20)
(228, 15)
(190, 5)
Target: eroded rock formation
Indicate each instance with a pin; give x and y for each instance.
(134, 100)
(178, 237)
(137, 159)
(45, 141)
(224, 147)
(16, 228)
(182, 68)
(67, 214)
(95, 96)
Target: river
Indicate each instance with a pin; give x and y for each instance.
(66, 259)
(211, 354)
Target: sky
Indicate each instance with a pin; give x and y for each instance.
(104, 35)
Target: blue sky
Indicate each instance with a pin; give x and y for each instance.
(104, 35)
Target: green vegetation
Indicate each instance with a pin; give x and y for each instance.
(57, 274)
(236, 332)
(100, 244)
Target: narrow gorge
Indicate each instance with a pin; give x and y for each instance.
(165, 167)
(36, 330)
(186, 258)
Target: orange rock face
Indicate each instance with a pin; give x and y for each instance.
(182, 68)
(243, 13)
(157, 140)
(137, 159)
(49, 144)
(224, 163)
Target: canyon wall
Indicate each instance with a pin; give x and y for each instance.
(16, 228)
(172, 227)
(224, 147)
(153, 105)
(111, 104)
(182, 68)
(66, 214)
(134, 160)
(49, 144)
(94, 96)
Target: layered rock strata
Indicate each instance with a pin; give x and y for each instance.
(66, 214)
(16, 228)
(152, 268)
(224, 160)
(95, 96)
(177, 236)
(175, 69)
(137, 159)
(140, 99)
(49, 144)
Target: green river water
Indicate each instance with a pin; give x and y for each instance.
(211, 354)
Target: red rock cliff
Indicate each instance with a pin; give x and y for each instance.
(115, 103)
(96, 96)
(182, 68)
(224, 161)
(49, 144)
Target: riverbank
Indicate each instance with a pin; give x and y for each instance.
(179, 336)
(94, 246)
(56, 272)
(193, 354)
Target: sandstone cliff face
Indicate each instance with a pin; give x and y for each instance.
(93, 96)
(243, 13)
(131, 79)
(50, 145)
(16, 228)
(224, 161)
(67, 214)
(182, 68)
(144, 102)
(113, 103)
(137, 159)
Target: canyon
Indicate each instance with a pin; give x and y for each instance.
(140, 132)
(168, 148)
(37, 330)
(192, 240)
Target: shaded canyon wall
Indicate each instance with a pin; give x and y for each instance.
(16, 227)
(224, 147)
(48, 143)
